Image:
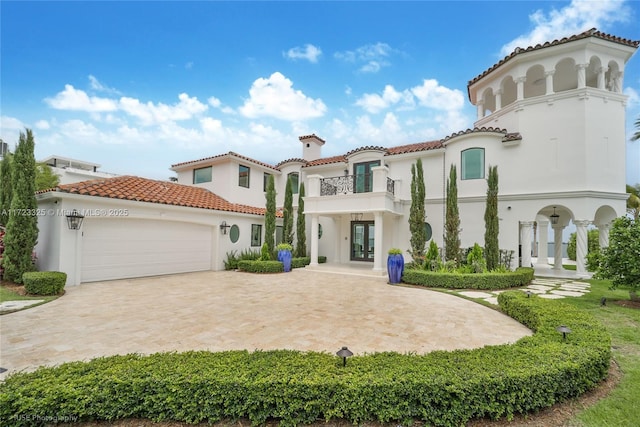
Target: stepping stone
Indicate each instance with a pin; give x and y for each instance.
(492, 300)
(578, 284)
(567, 293)
(573, 288)
(535, 291)
(475, 294)
(551, 296)
(541, 287)
(15, 305)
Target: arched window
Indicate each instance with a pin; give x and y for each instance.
(295, 181)
(472, 163)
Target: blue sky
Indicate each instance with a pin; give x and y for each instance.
(138, 86)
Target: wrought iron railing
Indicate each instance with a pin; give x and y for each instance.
(350, 184)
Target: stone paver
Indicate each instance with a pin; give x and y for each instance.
(567, 293)
(475, 294)
(16, 305)
(302, 310)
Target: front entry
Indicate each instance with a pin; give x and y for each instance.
(362, 240)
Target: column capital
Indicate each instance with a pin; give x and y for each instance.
(520, 79)
(498, 91)
(581, 66)
(543, 223)
(603, 69)
(581, 222)
(526, 223)
(549, 73)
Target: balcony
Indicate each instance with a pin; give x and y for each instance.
(351, 184)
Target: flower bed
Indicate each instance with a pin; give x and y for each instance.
(437, 279)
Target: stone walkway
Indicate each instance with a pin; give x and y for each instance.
(216, 311)
(17, 305)
(549, 288)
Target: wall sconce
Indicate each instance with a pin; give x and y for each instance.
(554, 217)
(224, 227)
(356, 216)
(74, 220)
(344, 352)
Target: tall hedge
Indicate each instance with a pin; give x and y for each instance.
(452, 219)
(301, 226)
(417, 212)
(491, 247)
(5, 188)
(287, 214)
(22, 227)
(270, 215)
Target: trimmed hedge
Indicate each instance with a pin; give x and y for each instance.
(300, 262)
(44, 282)
(433, 279)
(439, 388)
(261, 266)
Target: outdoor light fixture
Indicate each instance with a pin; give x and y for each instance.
(529, 293)
(603, 301)
(356, 216)
(344, 352)
(74, 220)
(224, 227)
(554, 217)
(564, 330)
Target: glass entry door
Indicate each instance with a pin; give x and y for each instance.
(362, 240)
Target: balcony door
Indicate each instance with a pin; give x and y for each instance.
(364, 176)
(362, 240)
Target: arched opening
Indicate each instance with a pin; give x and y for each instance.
(535, 83)
(489, 101)
(566, 76)
(612, 78)
(549, 237)
(509, 91)
(592, 71)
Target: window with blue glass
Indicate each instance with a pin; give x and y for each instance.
(472, 163)
(202, 175)
(363, 177)
(294, 177)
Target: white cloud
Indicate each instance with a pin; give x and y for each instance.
(578, 16)
(275, 97)
(214, 102)
(96, 85)
(78, 100)
(372, 56)
(634, 98)
(374, 103)
(151, 113)
(42, 124)
(432, 95)
(309, 52)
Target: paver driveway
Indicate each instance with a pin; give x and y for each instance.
(303, 310)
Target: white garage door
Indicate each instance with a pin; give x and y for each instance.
(123, 248)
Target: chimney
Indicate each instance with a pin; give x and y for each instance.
(311, 147)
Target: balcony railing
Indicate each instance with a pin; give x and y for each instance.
(350, 184)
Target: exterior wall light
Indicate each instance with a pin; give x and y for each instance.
(74, 220)
(344, 352)
(224, 227)
(554, 217)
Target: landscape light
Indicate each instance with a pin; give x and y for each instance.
(344, 352)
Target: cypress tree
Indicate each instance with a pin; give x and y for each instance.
(417, 213)
(452, 219)
(491, 245)
(270, 215)
(287, 214)
(5, 188)
(301, 226)
(22, 227)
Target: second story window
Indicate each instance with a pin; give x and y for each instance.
(363, 176)
(265, 181)
(295, 181)
(202, 175)
(243, 176)
(472, 163)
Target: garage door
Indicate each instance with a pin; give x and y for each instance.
(123, 248)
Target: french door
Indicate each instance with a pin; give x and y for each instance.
(362, 240)
(364, 176)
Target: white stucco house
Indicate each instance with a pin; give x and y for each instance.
(72, 170)
(551, 117)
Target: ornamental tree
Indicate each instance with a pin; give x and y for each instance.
(620, 261)
(22, 227)
(301, 226)
(5, 188)
(452, 219)
(287, 214)
(417, 212)
(270, 215)
(491, 245)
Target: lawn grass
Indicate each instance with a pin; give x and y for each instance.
(7, 294)
(621, 407)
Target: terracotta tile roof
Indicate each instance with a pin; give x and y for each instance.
(327, 161)
(152, 191)
(490, 129)
(513, 136)
(229, 154)
(312, 136)
(366, 148)
(413, 148)
(589, 33)
(294, 160)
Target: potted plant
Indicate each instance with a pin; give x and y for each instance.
(284, 255)
(395, 265)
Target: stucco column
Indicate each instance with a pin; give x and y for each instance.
(498, 99)
(520, 87)
(549, 81)
(582, 75)
(313, 185)
(337, 227)
(617, 82)
(480, 106)
(557, 246)
(543, 252)
(377, 244)
(380, 174)
(601, 74)
(525, 230)
(314, 239)
(603, 235)
(581, 246)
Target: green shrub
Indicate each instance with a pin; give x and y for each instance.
(260, 266)
(300, 262)
(44, 282)
(322, 259)
(432, 260)
(439, 388)
(231, 263)
(455, 280)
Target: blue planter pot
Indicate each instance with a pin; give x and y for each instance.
(284, 257)
(395, 268)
